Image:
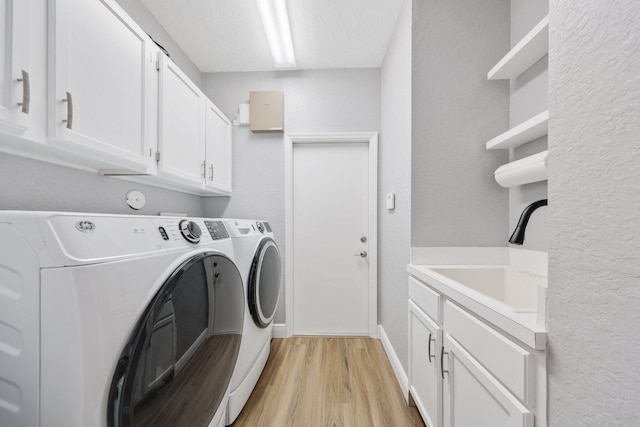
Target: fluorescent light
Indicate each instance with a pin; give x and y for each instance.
(275, 20)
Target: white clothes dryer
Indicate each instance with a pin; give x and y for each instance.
(114, 321)
(258, 259)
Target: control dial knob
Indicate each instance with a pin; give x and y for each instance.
(260, 227)
(190, 231)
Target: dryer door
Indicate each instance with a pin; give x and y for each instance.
(176, 367)
(264, 283)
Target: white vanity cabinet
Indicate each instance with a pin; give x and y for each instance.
(101, 85)
(181, 134)
(217, 150)
(464, 372)
(15, 87)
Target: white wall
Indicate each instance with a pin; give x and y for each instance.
(455, 200)
(314, 101)
(394, 175)
(594, 226)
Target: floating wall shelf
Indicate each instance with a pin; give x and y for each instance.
(523, 171)
(527, 131)
(527, 52)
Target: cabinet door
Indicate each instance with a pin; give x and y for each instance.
(181, 135)
(425, 381)
(14, 65)
(101, 66)
(472, 397)
(218, 150)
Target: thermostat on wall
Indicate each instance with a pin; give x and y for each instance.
(391, 201)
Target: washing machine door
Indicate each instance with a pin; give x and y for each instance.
(176, 367)
(264, 283)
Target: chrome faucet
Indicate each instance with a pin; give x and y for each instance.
(517, 238)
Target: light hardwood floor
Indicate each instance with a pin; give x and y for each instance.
(327, 382)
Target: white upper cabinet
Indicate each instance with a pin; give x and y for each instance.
(181, 139)
(15, 88)
(218, 150)
(101, 80)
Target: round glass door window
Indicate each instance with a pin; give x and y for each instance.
(178, 362)
(264, 283)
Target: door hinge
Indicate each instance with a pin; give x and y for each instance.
(157, 156)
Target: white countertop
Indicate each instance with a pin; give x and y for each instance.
(525, 327)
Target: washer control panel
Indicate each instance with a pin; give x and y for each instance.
(217, 230)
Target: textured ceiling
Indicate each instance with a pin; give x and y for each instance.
(227, 35)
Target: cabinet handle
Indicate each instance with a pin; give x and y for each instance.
(26, 92)
(442, 353)
(203, 168)
(69, 120)
(211, 172)
(429, 351)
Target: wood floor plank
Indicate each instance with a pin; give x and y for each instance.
(327, 382)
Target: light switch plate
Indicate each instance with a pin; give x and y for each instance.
(391, 201)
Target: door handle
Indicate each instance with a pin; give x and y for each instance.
(69, 119)
(211, 172)
(442, 353)
(362, 254)
(26, 92)
(429, 350)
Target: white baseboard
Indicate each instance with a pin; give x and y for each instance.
(279, 330)
(398, 370)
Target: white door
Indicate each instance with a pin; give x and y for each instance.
(103, 79)
(14, 65)
(425, 380)
(331, 242)
(218, 149)
(182, 127)
(472, 397)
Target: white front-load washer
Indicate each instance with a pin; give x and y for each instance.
(114, 321)
(258, 260)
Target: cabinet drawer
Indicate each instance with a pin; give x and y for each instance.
(425, 298)
(511, 364)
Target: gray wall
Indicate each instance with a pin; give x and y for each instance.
(395, 176)
(594, 189)
(454, 199)
(314, 101)
(529, 97)
(27, 184)
(151, 26)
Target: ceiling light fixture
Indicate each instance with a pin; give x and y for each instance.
(275, 20)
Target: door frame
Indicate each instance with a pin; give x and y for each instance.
(371, 138)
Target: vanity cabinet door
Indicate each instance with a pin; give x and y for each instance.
(425, 381)
(101, 85)
(472, 397)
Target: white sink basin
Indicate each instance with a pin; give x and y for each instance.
(516, 289)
